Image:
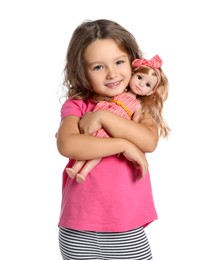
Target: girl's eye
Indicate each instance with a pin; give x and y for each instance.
(139, 77)
(148, 85)
(120, 62)
(99, 67)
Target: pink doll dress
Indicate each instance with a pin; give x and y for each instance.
(123, 105)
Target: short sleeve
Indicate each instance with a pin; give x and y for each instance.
(76, 108)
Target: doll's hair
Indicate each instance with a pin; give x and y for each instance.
(152, 105)
(75, 76)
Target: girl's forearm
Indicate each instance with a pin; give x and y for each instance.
(144, 135)
(74, 145)
(86, 147)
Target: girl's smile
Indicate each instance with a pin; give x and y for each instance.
(113, 85)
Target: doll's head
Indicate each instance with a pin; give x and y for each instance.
(157, 89)
(150, 70)
(144, 80)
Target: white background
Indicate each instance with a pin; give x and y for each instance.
(185, 169)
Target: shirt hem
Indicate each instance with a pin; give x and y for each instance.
(105, 228)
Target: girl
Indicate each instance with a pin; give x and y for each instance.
(104, 217)
(144, 82)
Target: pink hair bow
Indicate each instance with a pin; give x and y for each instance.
(154, 63)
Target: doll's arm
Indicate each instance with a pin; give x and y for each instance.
(137, 114)
(143, 134)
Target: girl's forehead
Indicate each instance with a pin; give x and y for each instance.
(103, 49)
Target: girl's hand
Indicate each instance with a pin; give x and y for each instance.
(90, 123)
(137, 157)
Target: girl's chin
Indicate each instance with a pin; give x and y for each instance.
(115, 92)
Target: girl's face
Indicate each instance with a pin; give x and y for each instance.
(108, 67)
(142, 84)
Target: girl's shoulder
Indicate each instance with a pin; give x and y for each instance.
(76, 107)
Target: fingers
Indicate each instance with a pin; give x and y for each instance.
(138, 158)
(143, 169)
(89, 124)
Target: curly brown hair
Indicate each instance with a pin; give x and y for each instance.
(75, 76)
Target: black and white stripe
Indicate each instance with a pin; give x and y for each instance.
(90, 245)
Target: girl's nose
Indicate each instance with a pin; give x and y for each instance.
(111, 73)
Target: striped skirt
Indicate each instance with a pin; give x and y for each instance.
(76, 245)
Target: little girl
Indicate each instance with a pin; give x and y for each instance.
(104, 217)
(144, 82)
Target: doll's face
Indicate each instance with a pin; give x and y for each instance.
(142, 84)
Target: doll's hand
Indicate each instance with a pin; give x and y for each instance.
(137, 114)
(137, 157)
(90, 123)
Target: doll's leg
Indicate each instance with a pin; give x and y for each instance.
(88, 166)
(75, 169)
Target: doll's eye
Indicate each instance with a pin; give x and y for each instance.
(139, 77)
(148, 85)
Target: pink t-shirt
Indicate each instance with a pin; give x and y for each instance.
(112, 198)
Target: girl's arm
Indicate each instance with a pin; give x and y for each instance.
(143, 134)
(72, 144)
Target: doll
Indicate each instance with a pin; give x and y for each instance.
(131, 104)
